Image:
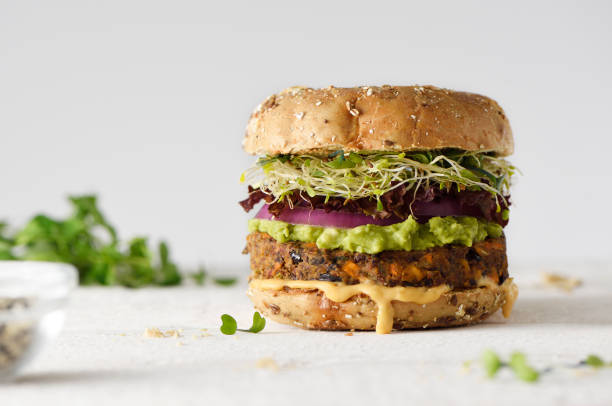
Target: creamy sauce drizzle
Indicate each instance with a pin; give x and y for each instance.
(383, 295)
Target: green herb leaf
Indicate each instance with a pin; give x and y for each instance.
(340, 162)
(518, 363)
(491, 363)
(318, 173)
(422, 158)
(168, 273)
(224, 281)
(594, 361)
(355, 158)
(505, 214)
(258, 323)
(310, 191)
(88, 241)
(199, 277)
(6, 243)
(228, 325)
(469, 174)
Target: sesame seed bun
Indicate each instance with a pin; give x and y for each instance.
(311, 309)
(389, 118)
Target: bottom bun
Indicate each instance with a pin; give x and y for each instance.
(310, 308)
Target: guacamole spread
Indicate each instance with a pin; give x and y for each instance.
(372, 239)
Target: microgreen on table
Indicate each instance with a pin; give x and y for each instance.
(492, 364)
(229, 325)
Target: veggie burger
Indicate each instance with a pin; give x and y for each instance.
(384, 207)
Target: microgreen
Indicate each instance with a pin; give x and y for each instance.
(505, 214)
(491, 363)
(518, 363)
(229, 325)
(225, 281)
(594, 361)
(258, 323)
(199, 277)
(379, 205)
(370, 175)
(340, 162)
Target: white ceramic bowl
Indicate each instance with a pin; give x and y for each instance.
(33, 297)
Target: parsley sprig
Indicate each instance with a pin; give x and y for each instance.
(87, 240)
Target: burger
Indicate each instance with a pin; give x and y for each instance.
(383, 208)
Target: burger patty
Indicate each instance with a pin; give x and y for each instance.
(456, 265)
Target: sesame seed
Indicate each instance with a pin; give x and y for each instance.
(318, 103)
(333, 138)
(369, 92)
(460, 312)
(412, 116)
(371, 131)
(348, 105)
(354, 112)
(299, 115)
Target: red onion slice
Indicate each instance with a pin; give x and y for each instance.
(318, 217)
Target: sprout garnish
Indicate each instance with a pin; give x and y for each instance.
(355, 176)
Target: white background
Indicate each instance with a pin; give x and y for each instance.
(145, 103)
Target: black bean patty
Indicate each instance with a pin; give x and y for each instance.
(456, 265)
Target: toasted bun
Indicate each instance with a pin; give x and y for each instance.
(388, 118)
(311, 309)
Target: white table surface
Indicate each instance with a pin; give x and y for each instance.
(102, 357)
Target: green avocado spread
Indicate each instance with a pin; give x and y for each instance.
(372, 239)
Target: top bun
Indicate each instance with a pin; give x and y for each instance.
(301, 120)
